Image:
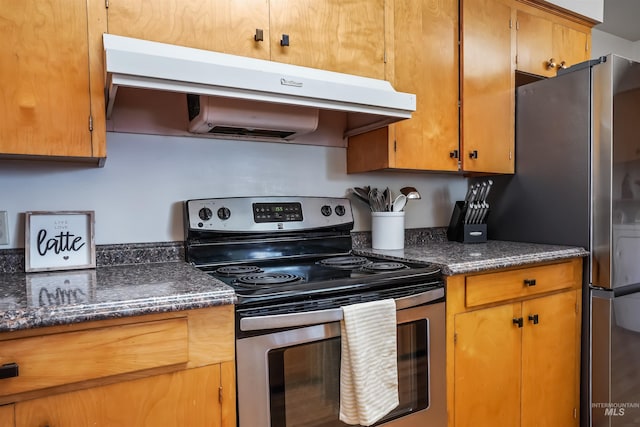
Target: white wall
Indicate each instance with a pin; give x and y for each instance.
(604, 43)
(137, 195)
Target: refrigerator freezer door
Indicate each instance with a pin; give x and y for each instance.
(615, 352)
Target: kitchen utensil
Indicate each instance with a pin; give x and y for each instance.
(387, 199)
(399, 202)
(376, 200)
(361, 196)
(410, 192)
(362, 192)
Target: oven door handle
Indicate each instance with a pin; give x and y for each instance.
(289, 320)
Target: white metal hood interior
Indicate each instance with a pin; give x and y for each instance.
(366, 103)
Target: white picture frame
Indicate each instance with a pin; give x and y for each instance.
(59, 240)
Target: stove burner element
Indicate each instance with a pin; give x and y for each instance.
(268, 279)
(384, 266)
(235, 270)
(344, 262)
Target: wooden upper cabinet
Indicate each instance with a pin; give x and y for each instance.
(52, 100)
(572, 46)
(422, 58)
(343, 36)
(488, 87)
(228, 26)
(545, 44)
(335, 35)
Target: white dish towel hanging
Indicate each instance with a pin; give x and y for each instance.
(369, 362)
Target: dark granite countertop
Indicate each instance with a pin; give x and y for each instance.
(125, 283)
(45, 299)
(460, 258)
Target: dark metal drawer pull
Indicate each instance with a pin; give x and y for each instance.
(518, 321)
(8, 370)
(533, 318)
(530, 282)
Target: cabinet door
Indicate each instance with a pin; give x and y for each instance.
(227, 26)
(535, 45)
(544, 45)
(488, 101)
(422, 59)
(425, 62)
(570, 46)
(6, 416)
(335, 35)
(45, 106)
(487, 367)
(550, 361)
(184, 398)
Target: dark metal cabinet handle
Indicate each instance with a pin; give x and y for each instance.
(284, 41)
(473, 154)
(259, 36)
(9, 370)
(534, 318)
(529, 282)
(518, 321)
(454, 154)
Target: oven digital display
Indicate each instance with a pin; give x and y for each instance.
(277, 212)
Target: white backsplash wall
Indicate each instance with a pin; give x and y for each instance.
(137, 195)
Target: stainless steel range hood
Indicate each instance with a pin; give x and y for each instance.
(222, 79)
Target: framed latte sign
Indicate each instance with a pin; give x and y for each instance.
(62, 240)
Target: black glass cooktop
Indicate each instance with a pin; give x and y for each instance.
(310, 278)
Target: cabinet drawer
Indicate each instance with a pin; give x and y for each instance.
(70, 357)
(495, 287)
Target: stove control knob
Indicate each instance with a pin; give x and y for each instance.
(326, 210)
(224, 213)
(205, 214)
(340, 210)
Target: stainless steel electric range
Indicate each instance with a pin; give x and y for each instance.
(290, 263)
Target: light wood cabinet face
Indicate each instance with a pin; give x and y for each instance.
(570, 46)
(426, 63)
(488, 101)
(184, 398)
(487, 367)
(6, 416)
(544, 46)
(535, 45)
(422, 58)
(45, 68)
(227, 26)
(515, 356)
(72, 357)
(550, 363)
(334, 35)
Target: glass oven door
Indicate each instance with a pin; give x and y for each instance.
(292, 378)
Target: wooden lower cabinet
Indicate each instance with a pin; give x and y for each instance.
(515, 362)
(184, 398)
(6, 416)
(171, 369)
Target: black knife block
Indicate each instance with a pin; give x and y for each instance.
(465, 233)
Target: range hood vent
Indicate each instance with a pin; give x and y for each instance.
(238, 96)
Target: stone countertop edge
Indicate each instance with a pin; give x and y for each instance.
(34, 300)
(459, 258)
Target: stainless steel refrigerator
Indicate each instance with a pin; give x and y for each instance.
(577, 182)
